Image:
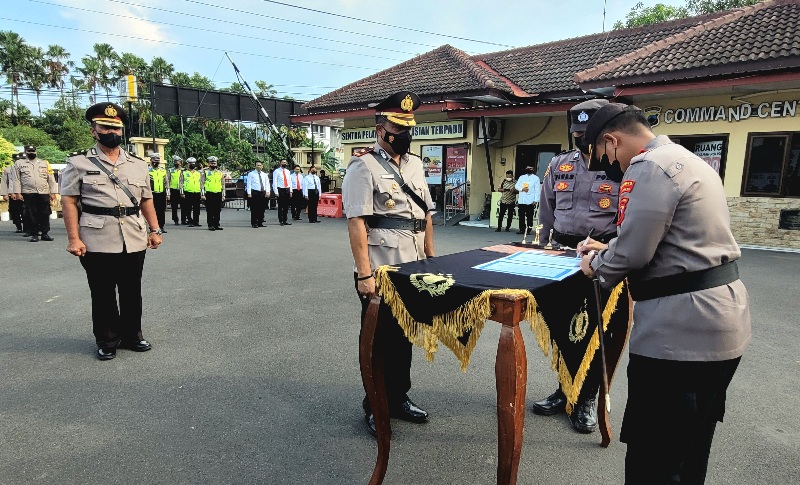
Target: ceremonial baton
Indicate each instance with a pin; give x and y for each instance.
(600, 332)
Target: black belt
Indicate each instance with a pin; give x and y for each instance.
(572, 240)
(684, 282)
(110, 211)
(414, 225)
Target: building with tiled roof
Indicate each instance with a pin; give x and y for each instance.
(724, 85)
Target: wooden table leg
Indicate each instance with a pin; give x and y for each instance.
(375, 387)
(511, 372)
(616, 339)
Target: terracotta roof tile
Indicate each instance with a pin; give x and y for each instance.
(442, 70)
(765, 36)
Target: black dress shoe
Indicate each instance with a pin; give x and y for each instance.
(46, 237)
(198, 225)
(262, 225)
(189, 225)
(176, 223)
(507, 229)
(370, 420)
(520, 232)
(584, 416)
(34, 239)
(136, 345)
(287, 223)
(19, 230)
(218, 228)
(497, 230)
(26, 234)
(283, 223)
(254, 226)
(553, 404)
(107, 353)
(163, 231)
(212, 228)
(408, 411)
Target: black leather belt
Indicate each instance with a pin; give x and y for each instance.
(684, 282)
(110, 211)
(414, 225)
(572, 240)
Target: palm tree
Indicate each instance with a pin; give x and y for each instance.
(12, 60)
(160, 69)
(35, 68)
(91, 77)
(106, 59)
(56, 67)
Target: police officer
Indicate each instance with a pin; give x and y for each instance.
(213, 186)
(15, 206)
(175, 174)
(389, 226)
(692, 316)
(34, 183)
(110, 235)
(296, 181)
(159, 181)
(282, 186)
(190, 192)
(574, 203)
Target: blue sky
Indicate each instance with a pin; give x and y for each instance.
(303, 53)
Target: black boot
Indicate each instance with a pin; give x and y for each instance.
(584, 416)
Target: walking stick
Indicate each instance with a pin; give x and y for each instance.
(600, 332)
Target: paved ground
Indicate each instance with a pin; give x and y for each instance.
(254, 375)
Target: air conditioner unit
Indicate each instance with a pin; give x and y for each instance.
(494, 130)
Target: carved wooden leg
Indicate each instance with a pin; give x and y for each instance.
(375, 387)
(511, 371)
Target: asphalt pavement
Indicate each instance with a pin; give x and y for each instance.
(254, 379)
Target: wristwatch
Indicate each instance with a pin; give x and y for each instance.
(157, 231)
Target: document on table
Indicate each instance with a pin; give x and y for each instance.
(534, 264)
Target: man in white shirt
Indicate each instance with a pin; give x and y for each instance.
(296, 181)
(528, 186)
(311, 190)
(282, 184)
(257, 190)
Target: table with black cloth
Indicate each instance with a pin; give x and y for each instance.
(444, 299)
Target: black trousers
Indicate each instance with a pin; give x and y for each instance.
(313, 203)
(283, 204)
(175, 202)
(394, 348)
(213, 208)
(503, 209)
(160, 205)
(526, 216)
(110, 274)
(258, 204)
(38, 207)
(16, 208)
(687, 399)
(297, 203)
(192, 208)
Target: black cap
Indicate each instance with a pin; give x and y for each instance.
(600, 120)
(107, 114)
(399, 108)
(30, 149)
(581, 113)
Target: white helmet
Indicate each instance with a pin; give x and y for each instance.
(213, 159)
(191, 160)
(176, 158)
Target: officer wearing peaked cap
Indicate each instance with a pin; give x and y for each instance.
(34, 183)
(110, 235)
(389, 225)
(574, 203)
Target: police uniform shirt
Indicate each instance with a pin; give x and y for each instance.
(108, 234)
(277, 178)
(33, 177)
(7, 182)
(210, 175)
(532, 195)
(673, 218)
(576, 201)
(369, 190)
(311, 182)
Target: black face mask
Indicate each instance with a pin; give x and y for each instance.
(581, 145)
(212, 167)
(31, 156)
(155, 165)
(613, 169)
(400, 142)
(109, 140)
(529, 170)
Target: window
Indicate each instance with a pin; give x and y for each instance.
(713, 149)
(318, 130)
(771, 165)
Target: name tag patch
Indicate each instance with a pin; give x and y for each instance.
(93, 172)
(387, 176)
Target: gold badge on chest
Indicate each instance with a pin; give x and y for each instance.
(390, 204)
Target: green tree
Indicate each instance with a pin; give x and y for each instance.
(12, 61)
(106, 66)
(57, 65)
(265, 90)
(160, 69)
(641, 15)
(7, 152)
(196, 80)
(51, 154)
(12, 113)
(26, 135)
(701, 7)
(90, 69)
(36, 72)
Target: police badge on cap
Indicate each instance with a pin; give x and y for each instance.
(580, 114)
(399, 108)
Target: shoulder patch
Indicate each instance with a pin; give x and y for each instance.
(546, 172)
(363, 151)
(626, 186)
(674, 169)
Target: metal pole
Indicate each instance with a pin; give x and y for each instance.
(488, 159)
(153, 113)
(311, 127)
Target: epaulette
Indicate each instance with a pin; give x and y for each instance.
(363, 151)
(414, 154)
(137, 157)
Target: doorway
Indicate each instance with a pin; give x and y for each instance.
(538, 156)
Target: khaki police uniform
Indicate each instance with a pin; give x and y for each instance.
(115, 246)
(15, 207)
(368, 190)
(34, 180)
(673, 218)
(576, 201)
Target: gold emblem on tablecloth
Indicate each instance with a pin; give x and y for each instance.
(578, 325)
(390, 204)
(435, 284)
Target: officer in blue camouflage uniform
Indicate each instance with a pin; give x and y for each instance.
(574, 203)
